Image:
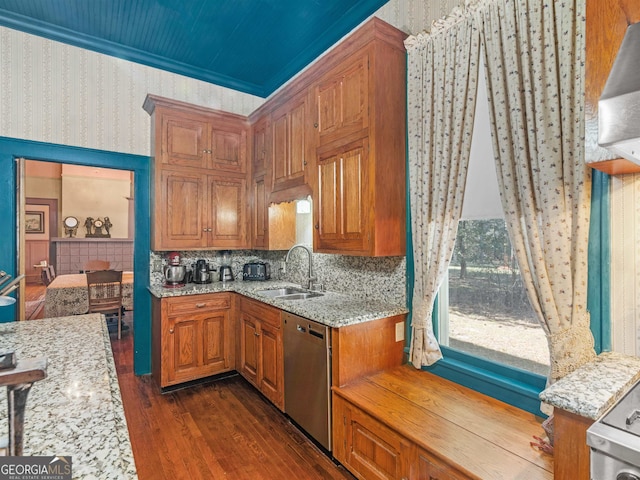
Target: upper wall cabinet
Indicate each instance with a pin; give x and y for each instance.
(290, 143)
(359, 174)
(342, 99)
(338, 133)
(200, 186)
(198, 141)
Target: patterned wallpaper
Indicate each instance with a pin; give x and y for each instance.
(57, 93)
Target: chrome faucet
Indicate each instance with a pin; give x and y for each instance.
(311, 278)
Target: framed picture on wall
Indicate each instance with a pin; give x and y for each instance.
(34, 222)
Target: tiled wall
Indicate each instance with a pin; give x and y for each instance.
(71, 254)
(381, 279)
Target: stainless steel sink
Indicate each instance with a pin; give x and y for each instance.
(300, 296)
(288, 293)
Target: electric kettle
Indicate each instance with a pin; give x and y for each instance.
(226, 274)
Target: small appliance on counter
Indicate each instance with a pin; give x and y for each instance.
(202, 272)
(174, 273)
(256, 271)
(226, 273)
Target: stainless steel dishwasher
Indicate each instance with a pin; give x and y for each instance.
(307, 376)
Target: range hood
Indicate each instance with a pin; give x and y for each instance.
(619, 105)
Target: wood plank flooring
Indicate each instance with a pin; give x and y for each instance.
(34, 301)
(223, 429)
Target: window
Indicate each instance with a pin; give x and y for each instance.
(483, 308)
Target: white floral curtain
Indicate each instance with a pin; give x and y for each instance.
(442, 77)
(534, 59)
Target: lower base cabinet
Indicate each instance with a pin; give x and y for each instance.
(193, 337)
(371, 450)
(261, 354)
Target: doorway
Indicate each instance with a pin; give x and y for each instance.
(12, 149)
(55, 192)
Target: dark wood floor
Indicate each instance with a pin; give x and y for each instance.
(34, 301)
(223, 429)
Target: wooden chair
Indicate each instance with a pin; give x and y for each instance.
(104, 289)
(47, 275)
(95, 265)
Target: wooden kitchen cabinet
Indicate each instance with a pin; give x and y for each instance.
(342, 99)
(290, 143)
(261, 354)
(419, 464)
(200, 177)
(227, 212)
(364, 446)
(192, 337)
(261, 135)
(359, 181)
(195, 210)
(197, 137)
(341, 222)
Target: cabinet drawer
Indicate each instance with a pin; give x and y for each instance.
(262, 311)
(195, 303)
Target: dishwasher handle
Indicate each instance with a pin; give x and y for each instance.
(301, 329)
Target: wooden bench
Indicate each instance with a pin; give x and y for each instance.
(408, 424)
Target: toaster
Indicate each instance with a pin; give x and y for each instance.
(256, 271)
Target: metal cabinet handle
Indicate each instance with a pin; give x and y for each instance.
(256, 334)
(317, 226)
(200, 305)
(315, 125)
(171, 330)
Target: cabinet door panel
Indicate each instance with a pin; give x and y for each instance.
(260, 213)
(280, 157)
(249, 344)
(353, 181)
(228, 152)
(364, 445)
(271, 383)
(343, 99)
(183, 348)
(182, 201)
(227, 212)
(327, 219)
(354, 96)
(342, 221)
(298, 137)
(215, 334)
(428, 467)
(185, 141)
(260, 146)
(328, 98)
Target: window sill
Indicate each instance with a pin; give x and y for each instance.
(510, 385)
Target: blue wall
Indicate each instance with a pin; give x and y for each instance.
(10, 150)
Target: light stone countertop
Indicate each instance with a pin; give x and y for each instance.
(77, 409)
(332, 309)
(593, 388)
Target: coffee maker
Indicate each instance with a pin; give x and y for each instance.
(226, 273)
(202, 272)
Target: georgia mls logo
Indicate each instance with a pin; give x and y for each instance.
(35, 468)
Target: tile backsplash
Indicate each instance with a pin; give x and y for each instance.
(369, 278)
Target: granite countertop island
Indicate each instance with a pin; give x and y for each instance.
(77, 409)
(331, 309)
(593, 388)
